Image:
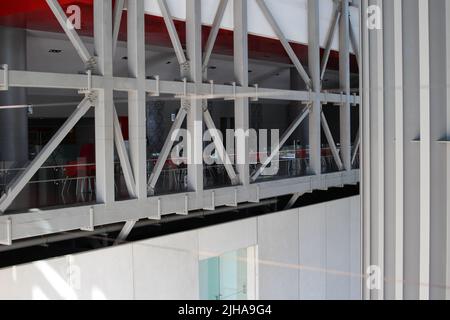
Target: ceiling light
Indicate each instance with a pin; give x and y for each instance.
(55, 51)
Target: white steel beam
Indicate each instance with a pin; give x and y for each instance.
(344, 80)
(176, 43)
(293, 200)
(123, 157)
(117, 19)
(356, 146)
(201, 91)
(164, 154)
(137, 97)
(289, 131)
(314, 69)
(241, 104)
(104, 109)
(353, 41)
(25, 176)
(125, 232)
(330, 36)
(276, 28)
(214, 32)
(331, 143)
(425, 150)
(195, 111)
(218, 143)
(136, 104)
(45, 222)
(71, 33)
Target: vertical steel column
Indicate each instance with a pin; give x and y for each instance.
(438, 154)
(104, 110)
(411, 133)
(314, 70)
(365, 148)
(377, 150)
(389, 149)
(241, 105)
(195, 113)
(425, 149)
(399, 148)
(447, 244)
(137, 98)
(393, 148)
(344, 80)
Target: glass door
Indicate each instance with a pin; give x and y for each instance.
(225, 277)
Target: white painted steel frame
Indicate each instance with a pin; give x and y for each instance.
(241, 104)
(289, 131)
(315, 145)
(176, 43)
(276, 28)
(46, 222)
(344, 81)
(330, 139)
(331, 32)
(102, 81)
(71, 33)
(32, 79)
(136, 104)
(344, 159)
(25, 176)
(213, 33)
(195, 110)
(104, 109)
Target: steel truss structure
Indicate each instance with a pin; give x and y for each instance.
(99, 84)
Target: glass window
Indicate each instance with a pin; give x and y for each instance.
(228, 277)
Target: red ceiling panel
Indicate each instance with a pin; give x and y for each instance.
(35, 15)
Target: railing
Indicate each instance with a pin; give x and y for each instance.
(70, 184)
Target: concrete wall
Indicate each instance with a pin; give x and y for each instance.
(317, 256)
(307, 253)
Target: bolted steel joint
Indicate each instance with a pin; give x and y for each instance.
(92, 96)
(5, 86)
(204, 105)
(186, 105)
(91, 64)
(185, 68)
